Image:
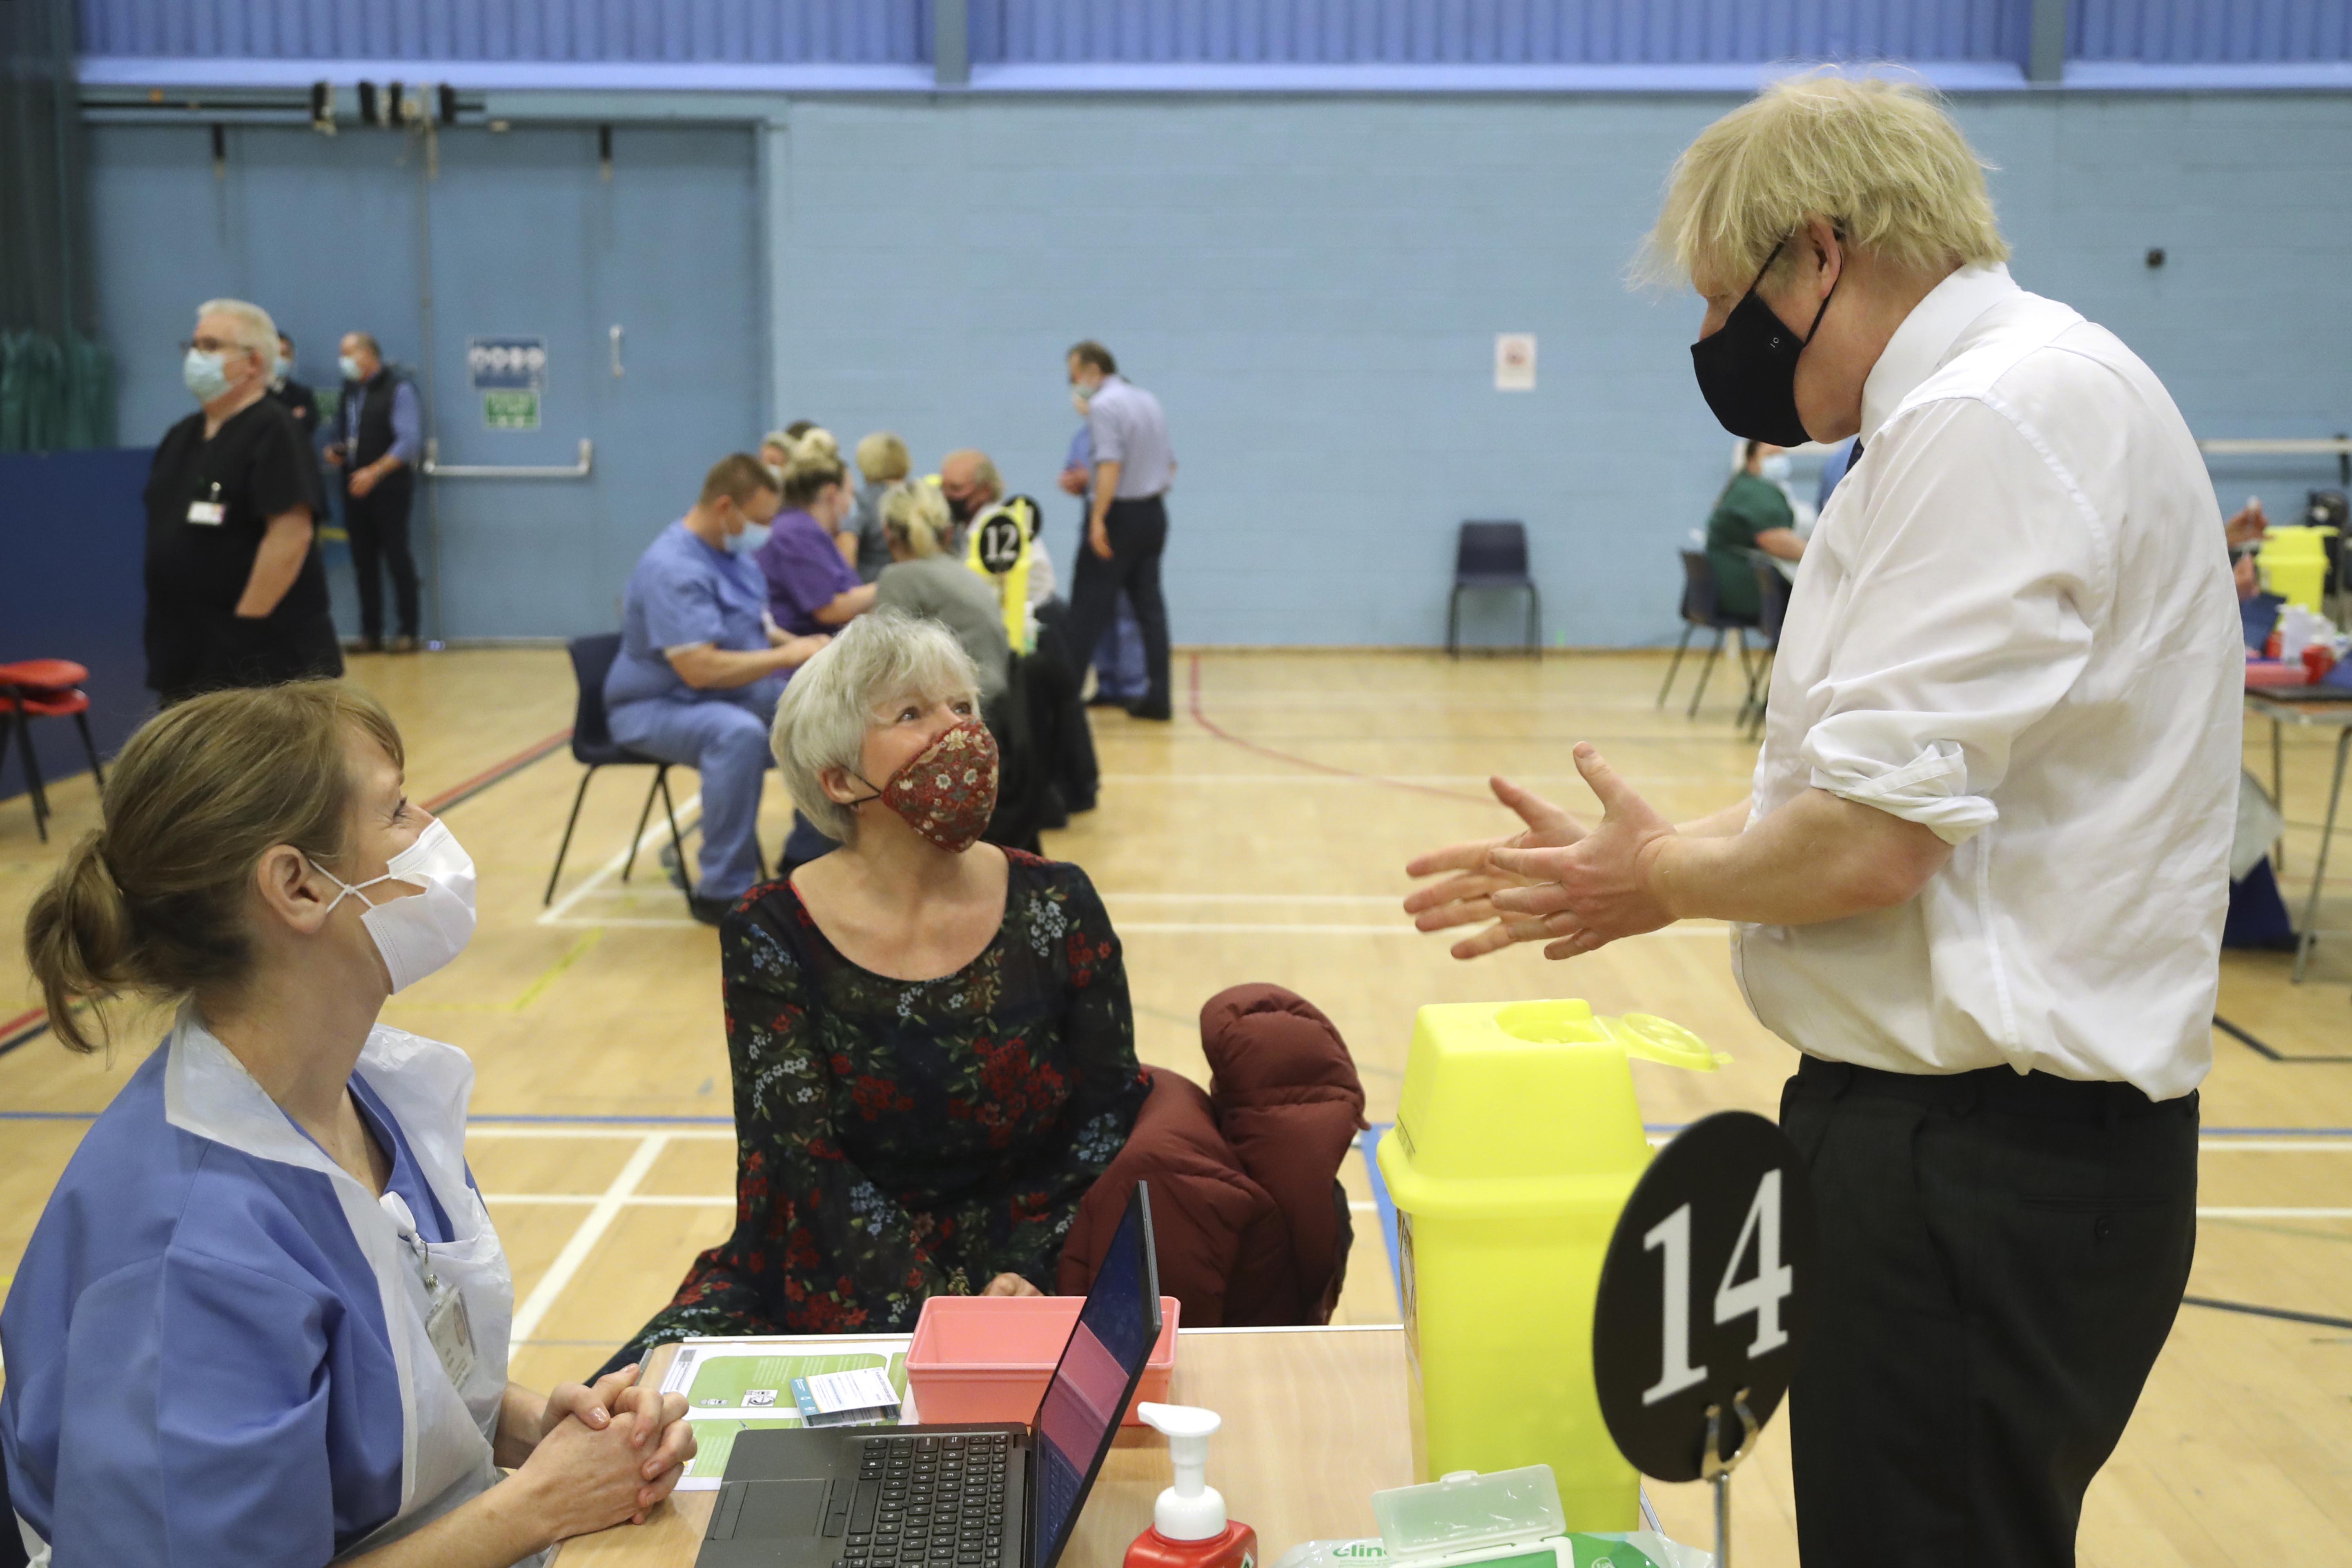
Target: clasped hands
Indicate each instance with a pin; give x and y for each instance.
(1573, 888)
(602, 1455)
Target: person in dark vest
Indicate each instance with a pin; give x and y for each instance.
(382, 436)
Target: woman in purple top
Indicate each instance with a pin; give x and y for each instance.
(809, 587)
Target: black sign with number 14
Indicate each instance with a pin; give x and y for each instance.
(1704, 1294)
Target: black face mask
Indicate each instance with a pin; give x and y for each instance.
(1748, 368)
(959, 508)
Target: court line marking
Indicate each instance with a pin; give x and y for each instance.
(559, 1276)
(458, 794)
(705, 1201)
(688, 815)
(1199, 715)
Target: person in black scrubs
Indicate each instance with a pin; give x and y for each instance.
(236, 592)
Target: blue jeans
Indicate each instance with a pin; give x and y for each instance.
(724, 737)
(1119, 656)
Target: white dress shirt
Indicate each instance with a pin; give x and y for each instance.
(2015, 625)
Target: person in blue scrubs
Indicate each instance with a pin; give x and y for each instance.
(701, 666)
(263, 1321)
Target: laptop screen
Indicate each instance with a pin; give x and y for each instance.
(1100, 1369)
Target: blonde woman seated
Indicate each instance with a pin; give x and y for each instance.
(926, 578)
(933, 1053)
(263, 1320)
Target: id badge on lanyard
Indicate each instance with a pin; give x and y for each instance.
(207, 509)
(447, 1322)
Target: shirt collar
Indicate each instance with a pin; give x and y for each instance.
(1925, 337)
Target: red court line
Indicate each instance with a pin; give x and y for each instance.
(1200, 717)
(491, 775)
(20, 1020)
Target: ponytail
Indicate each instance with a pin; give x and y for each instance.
(78, 941)
(156, 901)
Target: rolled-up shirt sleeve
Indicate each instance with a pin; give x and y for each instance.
(1971, 603)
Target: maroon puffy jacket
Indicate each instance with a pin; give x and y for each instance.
(1250, 1223)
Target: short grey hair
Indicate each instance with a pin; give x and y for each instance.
(255, 329)
(881, 658)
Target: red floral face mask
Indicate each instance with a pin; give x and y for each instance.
(948, 792)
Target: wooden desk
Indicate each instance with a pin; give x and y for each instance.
(1314, 1424)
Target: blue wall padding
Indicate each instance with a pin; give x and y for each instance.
(71, 540)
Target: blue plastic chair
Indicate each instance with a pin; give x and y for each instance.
(592, 746)
(1489, 556)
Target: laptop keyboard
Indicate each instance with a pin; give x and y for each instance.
(942, 1503)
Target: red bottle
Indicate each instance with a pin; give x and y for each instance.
(1189, 1527)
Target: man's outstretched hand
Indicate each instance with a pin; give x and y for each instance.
(1597, 889)
(1467, 896)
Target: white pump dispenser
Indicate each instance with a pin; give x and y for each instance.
(1191, 1509)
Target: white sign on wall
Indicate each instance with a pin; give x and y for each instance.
(1514, 362)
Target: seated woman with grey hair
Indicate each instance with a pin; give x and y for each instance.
(933, 1048)
(924, 577)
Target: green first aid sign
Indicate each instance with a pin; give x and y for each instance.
(510, 410)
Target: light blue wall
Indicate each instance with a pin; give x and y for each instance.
(1312, 286)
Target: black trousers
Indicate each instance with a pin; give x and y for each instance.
(377, 524)
(2002, 1259)
(195, 649)
(1139, 535)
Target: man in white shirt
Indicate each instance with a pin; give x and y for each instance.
(1981, 879)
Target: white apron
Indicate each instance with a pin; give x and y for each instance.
(445, 1428)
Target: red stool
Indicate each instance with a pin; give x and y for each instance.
(44, 689)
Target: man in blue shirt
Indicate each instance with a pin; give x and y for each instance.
(701, 667)
(1126, 521)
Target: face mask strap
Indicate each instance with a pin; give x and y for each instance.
(350, 890)
(1838, 232)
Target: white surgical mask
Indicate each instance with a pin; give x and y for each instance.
(205, 374)
(419, 934)
(349, 366)
(754, 535)
(1776, 468)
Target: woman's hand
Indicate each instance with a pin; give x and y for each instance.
(1010, 1284)
(664, 1434)
(593, 1407)
(580, 1481)
(1467, 896)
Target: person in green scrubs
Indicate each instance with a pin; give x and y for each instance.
(1750, 514)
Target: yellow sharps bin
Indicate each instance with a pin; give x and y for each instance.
(1516, 1143)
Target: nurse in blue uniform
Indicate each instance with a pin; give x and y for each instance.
(263, 1320)
(701, 666)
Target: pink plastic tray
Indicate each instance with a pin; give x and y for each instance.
(989, 1358)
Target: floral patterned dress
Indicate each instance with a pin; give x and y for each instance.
(899, 1138)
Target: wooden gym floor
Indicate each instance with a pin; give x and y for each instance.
(1261, 837)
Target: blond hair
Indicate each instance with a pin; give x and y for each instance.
(1879, 159)
(814, 464)
(153, 901)
(916, 518)
(883, 458)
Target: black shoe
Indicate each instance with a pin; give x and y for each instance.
(1159, 712)
(371, 645)
(709, 912)
(1102, 699)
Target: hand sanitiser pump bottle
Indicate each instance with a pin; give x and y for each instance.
(1189, 1527)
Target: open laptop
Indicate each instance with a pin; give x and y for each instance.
(978, 1495)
